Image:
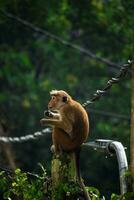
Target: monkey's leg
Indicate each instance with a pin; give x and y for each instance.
(56, 146)
(64, 140)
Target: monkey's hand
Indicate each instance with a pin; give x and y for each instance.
(48, 113)
(51, 115)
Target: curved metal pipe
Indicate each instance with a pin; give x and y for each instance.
(122, 163)
(111, 147)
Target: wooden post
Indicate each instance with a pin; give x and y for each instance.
(63, 171)
(64, 178)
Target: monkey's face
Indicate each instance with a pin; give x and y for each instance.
(56, 102)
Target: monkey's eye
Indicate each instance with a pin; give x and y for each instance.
(53, 98)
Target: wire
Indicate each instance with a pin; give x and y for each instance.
(25, 138)
(59, 39)
(109, 114)
(99, 93)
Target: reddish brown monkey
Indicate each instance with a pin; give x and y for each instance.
(70, 125)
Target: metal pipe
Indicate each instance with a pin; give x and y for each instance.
(111, 147)
(122, 163)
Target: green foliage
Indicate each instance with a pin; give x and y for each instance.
(70, 190)
(21, 187)
(129, 196)
(115, 197)
(3, 181)
(94, 193)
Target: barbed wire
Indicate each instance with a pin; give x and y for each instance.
(99, 93)
(25, 138)
(59, 39)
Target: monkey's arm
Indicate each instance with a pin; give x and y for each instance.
(63, 123)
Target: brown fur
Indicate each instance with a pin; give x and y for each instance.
(72, 127)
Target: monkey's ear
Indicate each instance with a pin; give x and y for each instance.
(64, 99)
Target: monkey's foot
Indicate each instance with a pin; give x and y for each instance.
(55, 152)
(52, 149)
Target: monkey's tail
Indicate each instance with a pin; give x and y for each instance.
(77, 160)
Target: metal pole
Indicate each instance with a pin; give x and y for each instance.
(122, 163)
(111, 147)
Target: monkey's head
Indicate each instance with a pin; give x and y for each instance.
(58, 99)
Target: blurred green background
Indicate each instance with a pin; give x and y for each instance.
(32, 64)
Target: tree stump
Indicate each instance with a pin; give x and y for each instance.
(65, 185)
